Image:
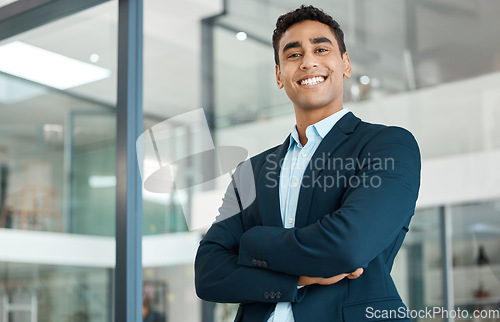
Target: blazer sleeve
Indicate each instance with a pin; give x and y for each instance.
(219, 277)
(369, 219)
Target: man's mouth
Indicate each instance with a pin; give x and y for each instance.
(312, 80)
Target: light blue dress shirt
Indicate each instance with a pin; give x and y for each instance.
(296, 160)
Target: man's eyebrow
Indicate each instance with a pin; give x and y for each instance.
(294, 44)
(320, 40)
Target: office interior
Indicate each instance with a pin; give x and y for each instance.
(431, 66)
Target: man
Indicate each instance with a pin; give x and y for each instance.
(333, 202)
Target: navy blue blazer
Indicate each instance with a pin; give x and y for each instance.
(356, 200)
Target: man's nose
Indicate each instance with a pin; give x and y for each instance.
(308, 61)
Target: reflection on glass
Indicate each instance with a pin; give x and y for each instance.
(93, 184)
(172, 87)
(476, 245)
(41, 137)
(417, 269)
(34, 292)
(57, 143)
(245, 84)
(475, 262)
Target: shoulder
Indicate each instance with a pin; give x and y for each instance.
(389, 142)
(379, 133)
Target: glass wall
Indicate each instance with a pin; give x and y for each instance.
(172, 88)
(476, 256)
(417, 269)
(57, 161)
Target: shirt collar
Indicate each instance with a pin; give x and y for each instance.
(322, 127)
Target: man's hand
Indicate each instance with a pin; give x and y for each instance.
(305, 280)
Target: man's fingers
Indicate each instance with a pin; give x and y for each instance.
(330, 280)
(355, 274)
(334, 279)
(304, 280)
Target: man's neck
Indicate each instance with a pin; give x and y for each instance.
(306, 118)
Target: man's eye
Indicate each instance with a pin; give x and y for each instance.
(322, 50)
(293, 55)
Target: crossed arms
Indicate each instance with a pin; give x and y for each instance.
(332, 247)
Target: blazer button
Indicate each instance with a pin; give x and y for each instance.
(259, 263)
(273, 295)
(254, 261)
(278, 295)
(266, 295)
(264, 264)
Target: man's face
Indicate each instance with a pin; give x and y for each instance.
(311, 68)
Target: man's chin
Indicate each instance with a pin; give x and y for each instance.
(311, 106)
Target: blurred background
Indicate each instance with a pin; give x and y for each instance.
(431, 66)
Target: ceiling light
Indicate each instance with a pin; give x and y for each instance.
(365, 80)
(53, 132)
(46, 67)
(102, 181)
(94, 58)
(241, 36)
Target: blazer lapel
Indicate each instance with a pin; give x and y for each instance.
(269, 179)
(337, 135)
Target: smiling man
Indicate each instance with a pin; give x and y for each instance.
(311, 68)
(333, 202)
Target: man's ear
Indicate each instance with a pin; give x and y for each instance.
(347, 65)
(278, 77)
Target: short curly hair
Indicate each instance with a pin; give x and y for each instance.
(301, 14)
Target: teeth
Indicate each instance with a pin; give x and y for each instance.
(312, 81)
